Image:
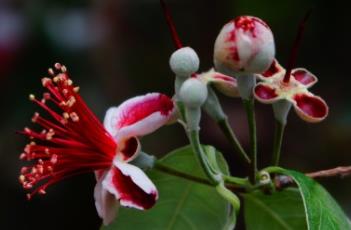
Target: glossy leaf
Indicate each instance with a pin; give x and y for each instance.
(278, 211)
(322, 211)
(182, 204)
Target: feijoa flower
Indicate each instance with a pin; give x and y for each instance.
(244, 45)
(73, 141)
(294, 87)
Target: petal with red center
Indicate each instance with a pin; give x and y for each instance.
(225, 84)
(304, 77)
(139, 116)
(105, 202)
(129, 149)
(273, 70)
(130, 186)
(265, 93)
(310, 108)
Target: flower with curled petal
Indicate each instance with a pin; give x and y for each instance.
(74, 141)
(223, 83)
(277, 85)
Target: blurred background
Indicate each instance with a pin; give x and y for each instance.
(116, 49)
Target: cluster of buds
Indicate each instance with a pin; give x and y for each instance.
(245, 46)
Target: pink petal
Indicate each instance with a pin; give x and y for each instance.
(129, 149)
(273, 69)
(105, 203)
(265, 93)
(304, 77)
(310, 107)
(139, 116)
(225, 84)
(130, 186)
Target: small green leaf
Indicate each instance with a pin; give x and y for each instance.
(322, 211)
(182, 204)
(281, 210)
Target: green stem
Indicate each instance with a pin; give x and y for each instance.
(249, 105)
(196, 145)
(181, 110)
(159, 166)
(231, 182)
(278, 139)
(243, 182)
(228, 132)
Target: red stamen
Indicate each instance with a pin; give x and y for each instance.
(171, 25)
(297, 42)
(72, 143)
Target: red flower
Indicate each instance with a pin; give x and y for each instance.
(74, 141)
(294, 88)
(244, 45)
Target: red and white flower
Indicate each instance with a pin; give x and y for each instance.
(277, 85)
(244, 45)
(74, 142)
(223, 83)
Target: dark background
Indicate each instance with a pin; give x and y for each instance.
(116, 49)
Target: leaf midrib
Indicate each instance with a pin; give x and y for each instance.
(179, 206)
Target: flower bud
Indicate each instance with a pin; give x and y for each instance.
(244, 45)
(184, 62)
(193, 93)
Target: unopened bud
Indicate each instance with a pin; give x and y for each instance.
(184, 62)
(193, 93)
(244, 45)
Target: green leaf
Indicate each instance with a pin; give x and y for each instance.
(182, 204)
(281, 210)
(322, 211)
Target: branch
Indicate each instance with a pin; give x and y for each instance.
(341, 171)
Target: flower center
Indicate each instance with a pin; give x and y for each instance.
(72, 142)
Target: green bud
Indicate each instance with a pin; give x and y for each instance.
(184, 62)
(193, 93)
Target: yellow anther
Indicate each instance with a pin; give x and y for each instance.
(35, 117)
(65, 115)
(22, 178)
(45, 81)
(74, 117)
(63, 69)
(76, 89)
(51, 71)
(58, 66)
(71, 101)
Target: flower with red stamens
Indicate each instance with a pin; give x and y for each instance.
(244, 45)
(74, 141)
(277, 85)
